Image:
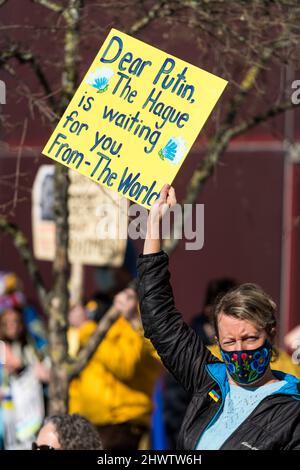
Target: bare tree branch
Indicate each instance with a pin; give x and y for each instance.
(260, 118)
(34, 27)
(50, 5)
(216, 148)
(27, 57)
(18, 163)
(218, 144)
(21, 243)
(38, 102)
(7, 206)
(246, 86)
(159, 10)
(59, 304)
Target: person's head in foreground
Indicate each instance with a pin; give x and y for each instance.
(245, 325)
(67, 432)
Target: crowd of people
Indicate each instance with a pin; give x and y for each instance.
(113, 392)
(227, 357)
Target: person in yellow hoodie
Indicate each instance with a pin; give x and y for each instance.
(114, 391)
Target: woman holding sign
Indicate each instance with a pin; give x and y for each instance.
(238, 404)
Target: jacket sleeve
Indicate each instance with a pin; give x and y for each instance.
(179, 347)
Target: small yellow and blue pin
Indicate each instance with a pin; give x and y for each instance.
(213, 394)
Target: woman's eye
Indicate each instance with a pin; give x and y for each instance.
(252, 338)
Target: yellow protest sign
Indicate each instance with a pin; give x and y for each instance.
(134, 118)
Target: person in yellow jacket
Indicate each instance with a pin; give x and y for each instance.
(114, 391)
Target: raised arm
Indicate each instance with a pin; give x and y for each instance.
(179, 347)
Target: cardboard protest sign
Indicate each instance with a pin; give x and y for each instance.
(97, 221)
(134, 118)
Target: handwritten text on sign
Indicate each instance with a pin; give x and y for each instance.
(134, 118)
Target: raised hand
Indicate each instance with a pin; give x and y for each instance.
(167, 199)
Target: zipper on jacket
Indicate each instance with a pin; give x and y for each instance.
(215, 417)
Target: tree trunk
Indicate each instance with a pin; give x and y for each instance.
(59, 305)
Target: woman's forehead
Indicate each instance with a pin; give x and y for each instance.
(228, 324)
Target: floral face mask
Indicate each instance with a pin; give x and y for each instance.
(248, 366)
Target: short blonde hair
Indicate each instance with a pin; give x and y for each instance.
(248, 302)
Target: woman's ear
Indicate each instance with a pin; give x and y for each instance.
(273, 334)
